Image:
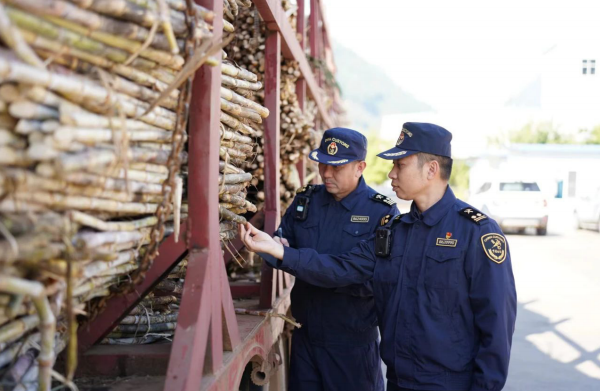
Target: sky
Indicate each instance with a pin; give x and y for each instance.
(463, 54)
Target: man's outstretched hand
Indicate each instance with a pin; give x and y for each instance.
(259, 241)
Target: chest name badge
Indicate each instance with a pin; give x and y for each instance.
(359, 219)
(494, 246)
(446, 242)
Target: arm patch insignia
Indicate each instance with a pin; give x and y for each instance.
(473, 215)
(494, 246)
(383, 199)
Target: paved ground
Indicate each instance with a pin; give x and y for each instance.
(557, 339)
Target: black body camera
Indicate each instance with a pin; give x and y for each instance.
(383, 242)
(302, 208)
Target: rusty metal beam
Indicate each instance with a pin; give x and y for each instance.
(272, 162)
(275, 18)
(206, 319)
(170, 253)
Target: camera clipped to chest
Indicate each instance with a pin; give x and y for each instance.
(383, 242)
(301, 212)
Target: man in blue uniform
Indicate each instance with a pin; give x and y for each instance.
(336, 348)
(442, 275)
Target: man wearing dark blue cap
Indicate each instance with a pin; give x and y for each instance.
(336, 348)
(442, 276)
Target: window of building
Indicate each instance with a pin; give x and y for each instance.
(584, 69)
(592, 67)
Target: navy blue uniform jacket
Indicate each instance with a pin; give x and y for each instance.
(333, 316)
(445, 297)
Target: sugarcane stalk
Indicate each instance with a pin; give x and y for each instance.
(225, 214)
(234, 178)
(166, 318)
(135, 173)
(14, 40)
(239, 73)
(227, 168)
(66, 202)
(24, 109)
(236, 124)
(65, 36)
(7, 121)
(244, 311)
(117, 339)
(90, 240)
(47, 323)
(98, 267)
(231, 188)
(105, 156)
(85, 179)
(91, 20)
(81, 88)
(171, 60)
(15, 329)
(85, 119)
(50, 49)
(9, 139)
(13, 157)
(177, 196)
(120, 9)
(240, 111)
(8, 355)
(27, 180)
(243, 84)
(92, 136)
(244, 102)
(246, 149)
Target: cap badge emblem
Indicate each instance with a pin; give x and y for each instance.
(401, 137)
(448, 235)
(332, 148)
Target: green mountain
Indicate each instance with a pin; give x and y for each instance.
(368, 92)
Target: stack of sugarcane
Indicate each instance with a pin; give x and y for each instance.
(241, 119)
(155, 318)
(89, 159)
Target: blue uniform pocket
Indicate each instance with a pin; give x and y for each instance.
(356, 230)
(442, 265)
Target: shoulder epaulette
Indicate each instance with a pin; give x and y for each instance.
(473, 215)
(305, 189)
(383, 199)
(389, 220)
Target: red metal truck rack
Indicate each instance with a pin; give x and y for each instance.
(212, 345)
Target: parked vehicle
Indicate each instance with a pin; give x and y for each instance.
(587, 211)
(513, 204)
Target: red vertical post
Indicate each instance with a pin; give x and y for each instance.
(314, 37)
(272, 161)
(301, 83)
(198, 342)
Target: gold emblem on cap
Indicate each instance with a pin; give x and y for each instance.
(401, 137)
(332, 148)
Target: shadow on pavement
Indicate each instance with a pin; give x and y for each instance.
(532, 369)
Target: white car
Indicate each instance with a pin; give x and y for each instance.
(513, 204)
(587, 211)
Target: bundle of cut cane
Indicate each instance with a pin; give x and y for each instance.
(155, 318)
(240, 125)
(89, 158)
(231, 8)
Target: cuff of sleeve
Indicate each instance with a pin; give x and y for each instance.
(291, 257)
(271, 260)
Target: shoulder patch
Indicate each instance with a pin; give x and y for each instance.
(304, 189)
(473, 215)
(494, 246)
(389, 220)
(383, 199)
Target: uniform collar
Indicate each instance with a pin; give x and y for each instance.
(350, 201)
(434, 214)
